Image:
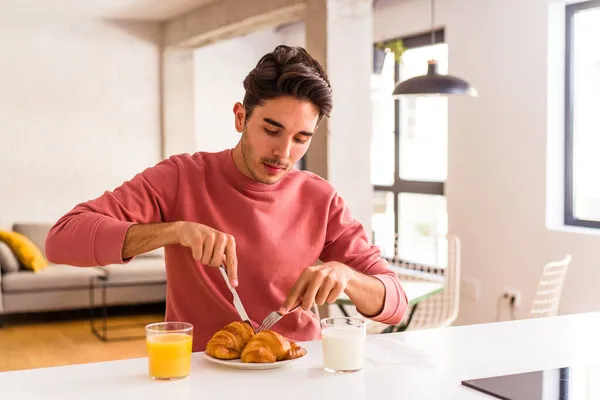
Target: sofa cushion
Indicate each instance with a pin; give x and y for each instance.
(28, 254)
(145, 269)
(8, 260)
(53, 277)
(36, 232)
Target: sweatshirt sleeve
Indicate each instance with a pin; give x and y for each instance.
(93, 232)
(346, 242)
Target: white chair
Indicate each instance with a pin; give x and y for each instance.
(549, 291)
(439, 310)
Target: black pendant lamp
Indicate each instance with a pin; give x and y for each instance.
(433, 83)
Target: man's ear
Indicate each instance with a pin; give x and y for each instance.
(239, 112)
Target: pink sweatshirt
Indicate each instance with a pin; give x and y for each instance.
(279, 230)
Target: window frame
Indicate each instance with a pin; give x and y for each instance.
(569, 215)
(401, 185)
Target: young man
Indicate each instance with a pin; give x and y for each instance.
(246, 208)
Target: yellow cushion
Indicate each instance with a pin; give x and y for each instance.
(28, 254)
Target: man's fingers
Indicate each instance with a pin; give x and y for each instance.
(323, 293)
(296, 293)
(197, 252)
(231, 263)
(218, 251)
(317, 281)
(335, 293)
(207, 249)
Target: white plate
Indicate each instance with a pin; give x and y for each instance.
(237, 363)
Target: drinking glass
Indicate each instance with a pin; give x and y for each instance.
(343, 343)
(169, 346)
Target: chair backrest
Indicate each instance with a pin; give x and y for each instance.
(440, 309)
(549, 291)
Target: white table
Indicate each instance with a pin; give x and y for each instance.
(457, 353)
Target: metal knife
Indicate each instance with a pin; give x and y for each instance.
(237, 303)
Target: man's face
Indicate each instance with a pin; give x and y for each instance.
(276, 136)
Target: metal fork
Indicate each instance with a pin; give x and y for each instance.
(272, 319)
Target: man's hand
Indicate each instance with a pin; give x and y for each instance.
(318, 284)
(210, 247)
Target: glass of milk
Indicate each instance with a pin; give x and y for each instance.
(343, 343)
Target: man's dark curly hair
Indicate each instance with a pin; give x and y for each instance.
(288, 71)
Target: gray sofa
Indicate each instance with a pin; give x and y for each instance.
(63, 287)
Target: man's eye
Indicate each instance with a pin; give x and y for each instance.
(301, 141)
(270, 132)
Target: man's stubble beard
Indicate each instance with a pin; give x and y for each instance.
(247, 154)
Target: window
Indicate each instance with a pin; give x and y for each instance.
(409, 156)
(582, 119)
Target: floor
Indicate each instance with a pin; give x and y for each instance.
(55, 340)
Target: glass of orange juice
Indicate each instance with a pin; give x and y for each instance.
(169, 347)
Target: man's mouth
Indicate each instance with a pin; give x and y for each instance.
(273, 169)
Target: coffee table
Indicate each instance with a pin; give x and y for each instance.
(104, 282)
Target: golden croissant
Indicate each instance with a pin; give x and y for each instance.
(269, 346)
(228, 343)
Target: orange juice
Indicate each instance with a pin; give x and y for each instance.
(169, 355)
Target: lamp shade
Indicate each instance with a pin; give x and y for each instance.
(434, 83)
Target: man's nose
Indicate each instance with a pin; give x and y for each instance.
(283, 149)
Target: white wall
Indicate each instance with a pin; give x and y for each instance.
(498, 145)
(219, 75)
(179, 100)
(79, 111)
(349, 68)
(293, 34)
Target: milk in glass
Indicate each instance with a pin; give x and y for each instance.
(343, 344)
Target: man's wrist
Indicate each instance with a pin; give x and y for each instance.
(177, 226)
(354, 278)
(366, 292)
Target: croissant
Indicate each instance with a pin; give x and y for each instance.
(295, 351)
(228, 343)
(269, 346)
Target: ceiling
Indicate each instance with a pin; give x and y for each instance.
(153, 10)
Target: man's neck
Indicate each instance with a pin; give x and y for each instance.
(238, 160)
